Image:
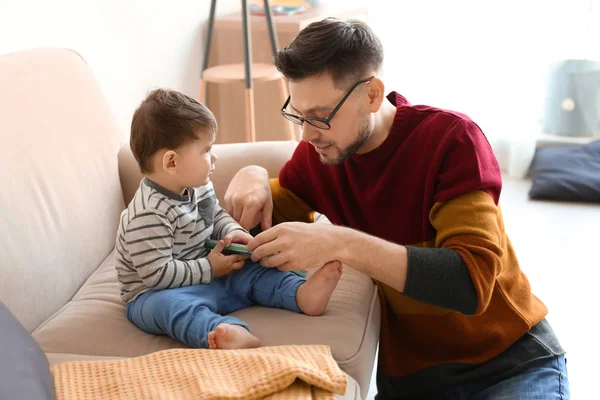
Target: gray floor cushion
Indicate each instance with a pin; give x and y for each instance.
(24, 368)
(567, 173)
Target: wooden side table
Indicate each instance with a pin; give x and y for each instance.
(227, 101)
(232, 73)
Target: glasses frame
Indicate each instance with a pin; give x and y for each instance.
(298, 120)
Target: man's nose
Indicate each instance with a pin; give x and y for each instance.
(309, 132)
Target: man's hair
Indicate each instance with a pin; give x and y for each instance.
(348, 50)
(167, 119)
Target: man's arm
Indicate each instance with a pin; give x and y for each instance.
(459, 273)
(296, 245)
(436, 276)
(383, 261)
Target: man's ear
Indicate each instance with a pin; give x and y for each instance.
(376, 94)
(169, 161)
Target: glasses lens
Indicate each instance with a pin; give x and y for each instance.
(293, 118)
(318, 124)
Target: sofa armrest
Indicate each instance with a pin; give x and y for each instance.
(232, 157)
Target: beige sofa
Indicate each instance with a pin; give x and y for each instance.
(63, 187)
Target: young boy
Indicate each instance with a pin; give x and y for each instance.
(173, 285)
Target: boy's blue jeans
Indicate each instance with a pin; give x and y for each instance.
(189, 313)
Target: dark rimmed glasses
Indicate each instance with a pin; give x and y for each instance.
(321, 123)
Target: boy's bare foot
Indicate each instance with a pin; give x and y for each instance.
(226, 336)
(312, 297)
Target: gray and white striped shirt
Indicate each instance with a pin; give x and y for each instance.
(160, 239)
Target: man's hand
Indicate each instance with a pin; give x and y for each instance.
(297, 245)
(248, 198)
(294, 245)
(237, 236)
(224, 265)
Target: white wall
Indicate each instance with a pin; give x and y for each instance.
(132, 45)
(486, 59)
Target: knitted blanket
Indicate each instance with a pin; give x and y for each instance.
(280, 372)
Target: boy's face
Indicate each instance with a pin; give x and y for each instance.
(196, 161)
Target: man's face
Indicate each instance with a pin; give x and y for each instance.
(350, 127)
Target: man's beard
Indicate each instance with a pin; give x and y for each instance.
(364, 133)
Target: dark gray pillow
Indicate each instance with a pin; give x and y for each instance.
(24, 368)
(567, 173)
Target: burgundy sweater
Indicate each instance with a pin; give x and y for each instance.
(433, 185)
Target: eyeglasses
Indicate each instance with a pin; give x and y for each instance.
(321, 123)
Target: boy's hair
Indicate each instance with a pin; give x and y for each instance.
(348, 50)
(167, 119)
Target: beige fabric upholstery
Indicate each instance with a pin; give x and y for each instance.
(61, 199)
(57, 358)
(232, 157)
(94, 323)
(96, 316)
(60, 196)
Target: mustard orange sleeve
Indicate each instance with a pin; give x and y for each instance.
(469, 224)
(287, 206)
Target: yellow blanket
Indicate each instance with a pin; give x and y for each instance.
(280, 372)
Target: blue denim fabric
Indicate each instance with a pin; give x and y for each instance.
(546, 380)
(543, 380)
(189, 313)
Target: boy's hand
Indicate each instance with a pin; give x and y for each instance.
(223, 265)
(237, 236)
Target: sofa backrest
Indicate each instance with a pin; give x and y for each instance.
(232, 157)
(60, 197)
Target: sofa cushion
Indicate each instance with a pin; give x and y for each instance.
(567, 173)
(24, 372)
(94, 323)
(60, 196)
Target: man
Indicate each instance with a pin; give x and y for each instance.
(413, 195)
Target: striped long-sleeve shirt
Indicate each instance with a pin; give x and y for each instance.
(160, 239)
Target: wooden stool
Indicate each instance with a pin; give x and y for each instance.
(235, 73)
(248, 72)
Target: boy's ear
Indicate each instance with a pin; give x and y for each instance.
(169, 161)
